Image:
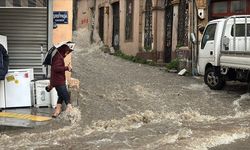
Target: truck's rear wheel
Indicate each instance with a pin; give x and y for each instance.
(213, 79)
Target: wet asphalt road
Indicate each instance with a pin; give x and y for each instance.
(124, 105)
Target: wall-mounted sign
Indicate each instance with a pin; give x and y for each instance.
(60, 17)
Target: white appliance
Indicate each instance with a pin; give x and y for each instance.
(3, 41)
(17, 88)
(33, 95)
(54, 97)
(42, 96)
(2, 95)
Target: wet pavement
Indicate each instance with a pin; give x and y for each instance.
(19, 122)
(124, 105)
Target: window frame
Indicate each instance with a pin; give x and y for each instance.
(237, 33)
(17, 3)
(229, 10)
(244, 4)
(227, 6)
(32, 3)
(203, 44)
(129, 38)
(148, 26)
(2, 3)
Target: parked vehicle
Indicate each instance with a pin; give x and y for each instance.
(224, 52)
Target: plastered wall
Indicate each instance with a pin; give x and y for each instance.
(63, 32)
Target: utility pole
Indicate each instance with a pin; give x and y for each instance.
(193, 20)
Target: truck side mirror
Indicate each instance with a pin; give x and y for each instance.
(193, 38)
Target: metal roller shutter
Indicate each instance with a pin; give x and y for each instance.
(26, 30)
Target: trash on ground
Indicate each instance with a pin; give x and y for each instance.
(182, 72)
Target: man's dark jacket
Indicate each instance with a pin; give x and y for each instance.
(4, 62)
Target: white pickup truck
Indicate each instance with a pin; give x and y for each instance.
(224, 51)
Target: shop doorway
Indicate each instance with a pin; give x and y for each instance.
(116, 26)
(168, 30)
(101, 23)
(27, 34)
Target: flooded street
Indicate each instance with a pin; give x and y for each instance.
(125, 105)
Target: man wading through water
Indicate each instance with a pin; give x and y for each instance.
(58, 79)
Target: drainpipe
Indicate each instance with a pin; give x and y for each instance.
(194, 46)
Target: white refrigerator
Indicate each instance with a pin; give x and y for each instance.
(17, 88)
(3, 41)
(2, 94)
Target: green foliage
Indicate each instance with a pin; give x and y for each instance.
(174, 64)
(134, 58)
(147, 48)
(179, 45)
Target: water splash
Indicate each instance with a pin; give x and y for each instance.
(137, 120)
(74, 116)
(215, 140)
(144, 92)
(45, 138)
(129, 122)
(182, 133)
(236, 103)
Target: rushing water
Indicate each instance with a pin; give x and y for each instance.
(191, 130)
(131, 106)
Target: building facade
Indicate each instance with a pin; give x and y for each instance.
(63, 18)
(154, 29)
(215, 9)
(136, 27)
(28, 25)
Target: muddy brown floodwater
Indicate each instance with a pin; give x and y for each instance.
(125, 105)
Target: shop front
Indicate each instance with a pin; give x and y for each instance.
(28, 28)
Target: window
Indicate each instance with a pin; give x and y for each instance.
(208, 35)
(31, 3)
(240, 30)
(2, 3)
(41, 3)
(219, 7)
(224, 8)
(129, 20)
(238, 6)
(37, 3)
(17, 3)
(148, 36)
